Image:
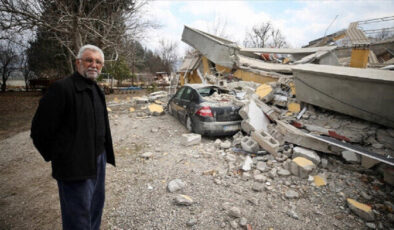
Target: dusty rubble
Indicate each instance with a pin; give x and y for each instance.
(266, 159)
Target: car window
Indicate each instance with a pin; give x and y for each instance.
(186, 96)
(204, 91)
(179, 93)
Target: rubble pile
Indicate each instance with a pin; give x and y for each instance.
(145, 106)
(274, 136)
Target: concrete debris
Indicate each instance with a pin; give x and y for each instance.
(324, 163)
(388, 175)
(319, 180)
(155, 109)
(260, 178)
(266, 141)
(301, 167)
(385, 138)
(190, 139)
(273, 173)
(191, 222)
(306, 153)
(217, 143)
(225, 145)
(283, 172)
(265, 93)
(146, 155)
(271, 112)
(157, 95)
(316, 129)
(257, 187)
(349, 81)
(249, 145)
(362, 210)
(247, 165)
(365, 195)
(184, 200)
(140, 100)
(292, 214)
(371, 225)
(293, 135)
(351, 157)
(262, 166)
(280, 100)
(254, 118)
(291, 194)
(243, 221)
(367, 162)
(237, 138)
(294, 107)
(175, 185)
(234, 224)
(235, 212)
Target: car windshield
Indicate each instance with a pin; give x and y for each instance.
(208, 91)
(204, 91)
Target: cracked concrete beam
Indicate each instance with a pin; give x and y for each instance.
(218, 50)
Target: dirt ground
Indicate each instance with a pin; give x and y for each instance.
(136, 190)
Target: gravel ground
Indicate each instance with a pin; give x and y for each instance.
(223, 196)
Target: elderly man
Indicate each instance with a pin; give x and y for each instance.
(71, 129)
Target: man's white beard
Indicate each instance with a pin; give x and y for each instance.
(91, 73)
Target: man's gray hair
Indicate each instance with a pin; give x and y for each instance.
(89, 47)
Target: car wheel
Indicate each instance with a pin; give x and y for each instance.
(189, 124)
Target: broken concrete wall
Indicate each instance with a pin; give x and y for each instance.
(216, 49)
(363, 93)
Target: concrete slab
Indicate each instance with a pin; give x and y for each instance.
(306, 153)
(292, 135)
(351, 91)
(266, 141)
(188, 139)
(221, 51)
(249, 145)
(301, 167)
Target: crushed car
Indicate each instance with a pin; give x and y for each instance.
(206, 109)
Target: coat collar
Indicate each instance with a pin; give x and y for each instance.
(80, 82)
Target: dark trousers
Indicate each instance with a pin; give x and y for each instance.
(82, 201)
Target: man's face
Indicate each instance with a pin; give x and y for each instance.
(90, 64)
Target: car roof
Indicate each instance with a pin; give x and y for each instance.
(199, 86)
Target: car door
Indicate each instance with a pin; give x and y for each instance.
(184, 103)
(175, 102)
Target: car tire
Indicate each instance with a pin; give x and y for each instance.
(189, 124)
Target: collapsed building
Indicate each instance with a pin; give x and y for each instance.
(311, 97)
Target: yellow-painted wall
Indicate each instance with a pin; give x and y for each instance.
(339, 37)
(182, 78)
(192, 77)
(205, 65)
(249, 76)
(222, 69)
(359, 58)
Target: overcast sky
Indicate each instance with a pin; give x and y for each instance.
(299, 21)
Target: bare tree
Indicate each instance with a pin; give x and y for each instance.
(74, 23)
(383, 35)
(218, 27)
(264, 35)
(26, 72)
(8, 62)
(278, 40)
(168, 53)
(258, 36)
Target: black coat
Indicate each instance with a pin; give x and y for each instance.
(63, 129)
